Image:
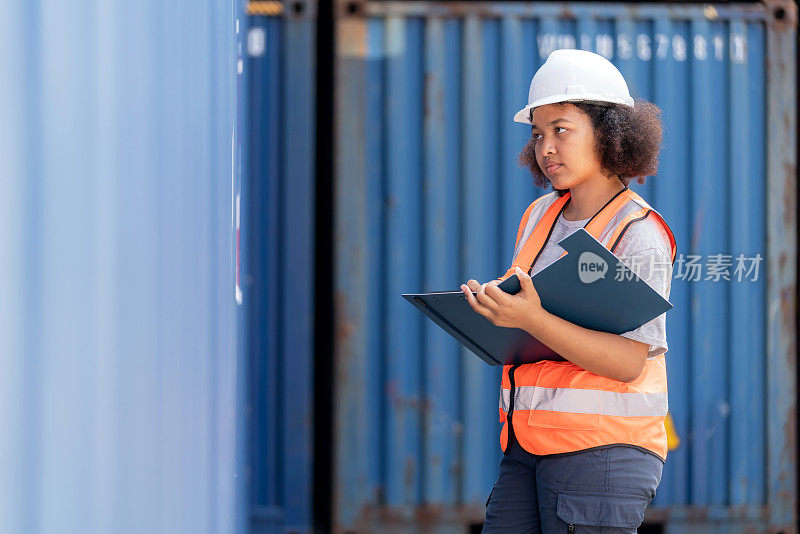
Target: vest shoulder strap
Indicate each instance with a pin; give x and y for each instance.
(531, 217)
(645, 212)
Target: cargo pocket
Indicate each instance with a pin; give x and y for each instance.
(600, 510)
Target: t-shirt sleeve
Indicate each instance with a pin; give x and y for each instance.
(645, 250)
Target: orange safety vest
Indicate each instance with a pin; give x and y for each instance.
(553, 407)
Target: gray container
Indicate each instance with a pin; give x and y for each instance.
(118, 322)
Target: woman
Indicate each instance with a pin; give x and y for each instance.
(584, 439)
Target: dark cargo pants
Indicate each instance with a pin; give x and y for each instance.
(601, 490)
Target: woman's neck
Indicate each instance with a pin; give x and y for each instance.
(589, 197)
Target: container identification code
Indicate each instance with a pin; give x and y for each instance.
(645, 47)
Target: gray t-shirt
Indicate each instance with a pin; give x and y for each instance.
(645, 249)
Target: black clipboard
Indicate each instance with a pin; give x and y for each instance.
(589, 286)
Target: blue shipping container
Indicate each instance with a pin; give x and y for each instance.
(428, 194)
(278, 262)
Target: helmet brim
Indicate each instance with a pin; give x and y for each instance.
(523, 115)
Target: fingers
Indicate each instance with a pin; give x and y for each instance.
(525, 281)
(480, 302)
(473, 302)
(474, 285)
(494, 292)
(485, 299)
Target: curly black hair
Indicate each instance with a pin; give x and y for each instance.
(628, 141)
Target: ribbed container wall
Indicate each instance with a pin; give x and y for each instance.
(278, 277)
(119, 368)
(429, 195)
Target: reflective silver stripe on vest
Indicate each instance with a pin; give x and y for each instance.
(588, 401)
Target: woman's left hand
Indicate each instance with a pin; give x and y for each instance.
(504, 309)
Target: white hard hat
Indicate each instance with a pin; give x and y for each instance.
(570, 75)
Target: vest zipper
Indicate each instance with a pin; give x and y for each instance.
(511, 405)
